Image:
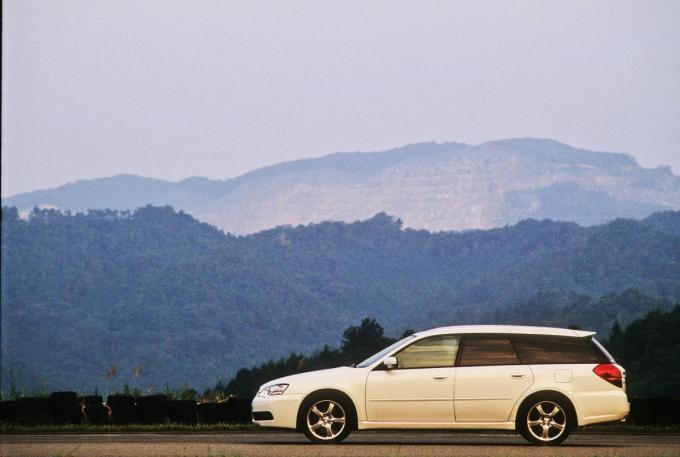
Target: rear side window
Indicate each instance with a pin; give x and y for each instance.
(487, 351)
(555, 349)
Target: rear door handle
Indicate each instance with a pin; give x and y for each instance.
(439, 378)
(517, 376)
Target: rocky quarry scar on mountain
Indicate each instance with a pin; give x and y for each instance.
(449, 186)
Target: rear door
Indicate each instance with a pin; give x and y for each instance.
(489, 379)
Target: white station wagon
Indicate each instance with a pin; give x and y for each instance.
(542, 382)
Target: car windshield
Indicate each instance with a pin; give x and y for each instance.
(375, 357)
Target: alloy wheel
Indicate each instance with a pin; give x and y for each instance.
(326, 419)
(546, 421)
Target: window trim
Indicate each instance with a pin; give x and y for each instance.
(512, 336)
(382, 367)
(462, 337)
(490, 336)
(589, 343)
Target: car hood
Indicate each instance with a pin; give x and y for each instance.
(318, 376)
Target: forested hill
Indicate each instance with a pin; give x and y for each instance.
(158, 289)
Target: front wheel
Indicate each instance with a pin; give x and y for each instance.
(545, 421)
(326, 420)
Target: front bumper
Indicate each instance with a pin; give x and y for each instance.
(283, 408)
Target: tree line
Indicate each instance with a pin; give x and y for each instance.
(648, 348)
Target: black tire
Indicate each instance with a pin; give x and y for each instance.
(326, 417)
(549, 427)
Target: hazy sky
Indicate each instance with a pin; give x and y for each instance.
(171, 89)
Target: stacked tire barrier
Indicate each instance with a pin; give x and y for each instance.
(240, 410)
(35, 411)
(655, 411)
(182, 412)
(232, 410)
(122, 409)
(62, 408)
(65, 408)
(9, 411)
(212, 413)
(94, 410)
(152, 409)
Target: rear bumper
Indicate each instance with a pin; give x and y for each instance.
(283, 410)
(603, 407)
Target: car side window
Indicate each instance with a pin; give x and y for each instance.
(434, 352)
(554, 349)
(488, 351)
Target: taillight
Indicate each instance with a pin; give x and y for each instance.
(610, 373)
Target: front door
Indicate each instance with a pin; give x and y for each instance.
(489, 380)
(420, 388)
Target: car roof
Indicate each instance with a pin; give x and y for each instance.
(505, 329)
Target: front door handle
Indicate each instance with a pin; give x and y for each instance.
(439, 378)
(517, 376)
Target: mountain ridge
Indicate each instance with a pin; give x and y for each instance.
(436, 186)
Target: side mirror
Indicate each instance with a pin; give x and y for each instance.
(390, 363)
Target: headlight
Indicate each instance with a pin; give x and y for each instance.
(276, 389)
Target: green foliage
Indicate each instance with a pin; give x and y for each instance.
(82, 293)
(649, 350)
(133, 391)
(573, 310)
(183, 393)
(358, 343)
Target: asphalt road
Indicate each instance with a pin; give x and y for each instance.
(369, 443)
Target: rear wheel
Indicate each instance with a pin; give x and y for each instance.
(326, 420)
(545, 420)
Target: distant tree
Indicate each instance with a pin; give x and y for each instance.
(649, 350)
(358, 343)
(616, 334)
(367, 336)
(407, 332)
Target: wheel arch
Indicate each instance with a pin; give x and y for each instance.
(320, 394)
(534, 396)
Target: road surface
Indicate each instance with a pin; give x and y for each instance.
(369, 443)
